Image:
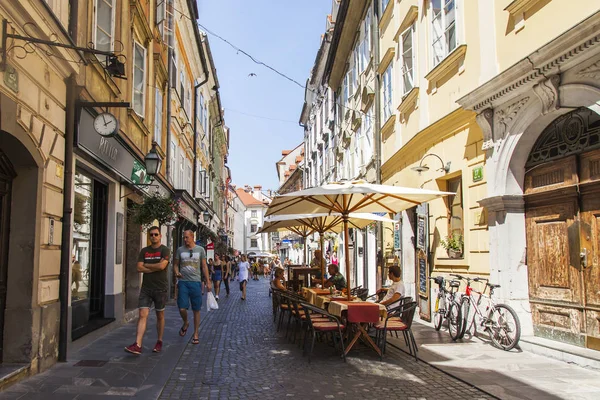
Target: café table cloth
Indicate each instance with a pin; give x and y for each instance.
(358, 311)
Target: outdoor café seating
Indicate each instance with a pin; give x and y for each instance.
(326, 323)
(399, 319)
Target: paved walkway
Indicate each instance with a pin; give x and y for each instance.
(240, 357)
(508, 375)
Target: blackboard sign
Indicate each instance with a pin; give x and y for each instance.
(119, 243)
(422, 271)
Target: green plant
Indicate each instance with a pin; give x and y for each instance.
(156, 207)
(454, 242)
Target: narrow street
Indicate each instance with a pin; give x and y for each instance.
(240, 356)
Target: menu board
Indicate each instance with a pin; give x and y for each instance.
(422, 271)
(421, 232)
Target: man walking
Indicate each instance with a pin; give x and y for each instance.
(152, 261)
(190, 263)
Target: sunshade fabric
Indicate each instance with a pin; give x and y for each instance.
(322, 222)
(351, 197)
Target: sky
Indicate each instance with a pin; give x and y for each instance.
(284, 34)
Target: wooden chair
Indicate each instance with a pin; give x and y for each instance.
(327, 323)
(399, 319)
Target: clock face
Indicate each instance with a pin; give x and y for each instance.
(106, 124)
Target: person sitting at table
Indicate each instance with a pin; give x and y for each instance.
(277, 282)
(395, 291)
(337, 279)
(315, 265)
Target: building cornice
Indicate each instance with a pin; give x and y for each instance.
(552, 58)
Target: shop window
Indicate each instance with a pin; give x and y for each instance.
(253, 242)
(139, 79)
(455, 207)
(82, 230)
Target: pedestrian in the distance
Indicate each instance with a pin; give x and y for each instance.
(217, 275)
(190, 263)
(243, 268)
(152, 262)
(226, 273)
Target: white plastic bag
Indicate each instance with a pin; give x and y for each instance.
(211, 302)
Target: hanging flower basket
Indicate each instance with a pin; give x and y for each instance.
(156, 207)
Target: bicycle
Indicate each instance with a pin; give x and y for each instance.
(499, 320)
(447, 307)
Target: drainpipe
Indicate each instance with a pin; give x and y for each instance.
(377, 128)
(65, 254)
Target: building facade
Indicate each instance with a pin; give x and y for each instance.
(255, 204)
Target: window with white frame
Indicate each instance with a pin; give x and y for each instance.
(161, 15)
(253, 214)
(368, 135)
(205, 119)
(172, 162)
(181, 174)
(158, 116)
(198, 180)
(387, 93)
(443, 20)
(188, 176)
(357, 64)
(104, 29)
(174, 66)
(139, 79)
(407, 49)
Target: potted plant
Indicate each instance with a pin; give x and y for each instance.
(454, 245)
(156, 207)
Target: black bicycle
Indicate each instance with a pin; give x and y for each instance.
(447, 308)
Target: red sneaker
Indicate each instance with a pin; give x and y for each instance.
(157, 346)
(134, 349)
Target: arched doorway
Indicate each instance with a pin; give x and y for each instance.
(562, 213)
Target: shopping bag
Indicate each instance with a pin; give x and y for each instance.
(211, 302)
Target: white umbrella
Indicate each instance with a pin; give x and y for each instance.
(350, 197)
(305, 224)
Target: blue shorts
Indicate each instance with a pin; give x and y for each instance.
(217, 275)
(189, 291)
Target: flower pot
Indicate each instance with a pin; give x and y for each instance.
(454, 253)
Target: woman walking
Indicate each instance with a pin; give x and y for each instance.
(217, 275)
(226, 273)
(243, 267)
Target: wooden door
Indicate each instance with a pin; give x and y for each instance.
(590, 245)
(554, 265)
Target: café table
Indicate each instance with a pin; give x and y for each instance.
(311, 294)
(359, 315)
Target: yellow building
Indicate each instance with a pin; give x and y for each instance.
(499, 100)
(429, 141)
(33, 125)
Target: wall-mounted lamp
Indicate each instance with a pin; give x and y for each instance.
(422, 168)
(206, 216)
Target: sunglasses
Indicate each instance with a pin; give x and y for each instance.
(191, 254)
(155, 234)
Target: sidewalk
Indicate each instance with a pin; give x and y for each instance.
(103, 368)
(508, 375)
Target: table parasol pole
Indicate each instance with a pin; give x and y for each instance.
(321, 261)
(347, 254)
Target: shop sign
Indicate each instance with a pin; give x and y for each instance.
(478, 173)
(107, 149)
(11, 78)
(186, 211)
(138, 173)
(397, 228)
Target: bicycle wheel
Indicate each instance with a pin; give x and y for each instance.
(504, 327)
(440, 311)
(464, 309)
(454, 320)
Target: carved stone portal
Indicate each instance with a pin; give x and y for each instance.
(547, 92)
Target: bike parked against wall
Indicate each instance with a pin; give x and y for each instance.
(480, 312)
(447, 307)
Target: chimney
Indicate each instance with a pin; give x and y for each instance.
(257, 188)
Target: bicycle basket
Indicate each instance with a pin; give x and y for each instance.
(454, 284)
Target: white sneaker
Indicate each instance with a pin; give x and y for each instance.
(217, 297)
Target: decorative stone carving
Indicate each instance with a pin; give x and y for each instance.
(593, 71)
(485, 121)
(505, 117)
(547, 92)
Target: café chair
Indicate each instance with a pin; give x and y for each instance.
(399, 319)
(324, 324)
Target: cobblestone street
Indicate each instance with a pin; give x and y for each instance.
(240, 356)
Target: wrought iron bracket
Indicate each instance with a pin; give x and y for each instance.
(113, 66)
(137, 185)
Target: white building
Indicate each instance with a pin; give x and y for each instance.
(255, 203)
(238, 218)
